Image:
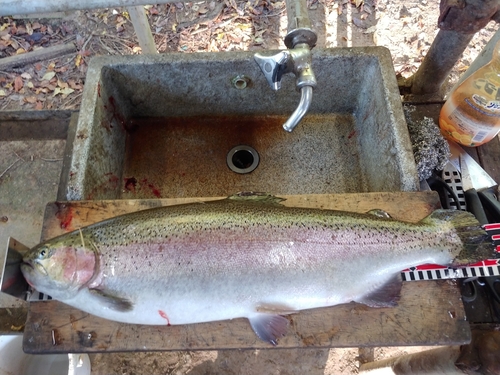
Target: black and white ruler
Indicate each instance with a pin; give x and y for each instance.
(485, 268)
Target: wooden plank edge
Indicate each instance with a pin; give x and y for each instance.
(37, 55)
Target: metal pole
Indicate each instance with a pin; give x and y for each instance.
(13, 7)
(445, 51)
(298, 17)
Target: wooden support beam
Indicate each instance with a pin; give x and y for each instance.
(38, 55)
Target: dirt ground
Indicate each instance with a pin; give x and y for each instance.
(406, 28)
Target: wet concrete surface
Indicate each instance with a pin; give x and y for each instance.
(29, 179)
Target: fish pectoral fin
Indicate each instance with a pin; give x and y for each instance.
(111, 301)
(269, 327)
(385, 296)
(275, 308)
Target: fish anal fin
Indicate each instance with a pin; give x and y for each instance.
(269, 327)
(385, 296)
(112, 302)
(379, 213)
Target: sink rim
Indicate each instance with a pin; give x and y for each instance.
(82, 146)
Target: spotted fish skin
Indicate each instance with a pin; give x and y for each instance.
(241, 257)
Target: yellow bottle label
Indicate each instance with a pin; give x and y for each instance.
(483, 105)
(457, 123)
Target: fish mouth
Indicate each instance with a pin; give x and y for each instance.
(30, 267)
(27, 267)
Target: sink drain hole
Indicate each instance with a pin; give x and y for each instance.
(242, 159)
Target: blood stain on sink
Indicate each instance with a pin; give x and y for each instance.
(130, 184)
(154, 189)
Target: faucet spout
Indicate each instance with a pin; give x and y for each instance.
(297, 59)
(305, 101)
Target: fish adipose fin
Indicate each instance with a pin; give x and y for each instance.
(250, 196)
(379, 213)
(386, 296)
(477, 244)
(112, 302)
(269, 327)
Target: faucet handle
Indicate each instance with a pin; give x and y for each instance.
(273, 67)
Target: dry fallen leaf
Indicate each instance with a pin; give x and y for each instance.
(74, 85)
(26, 75)
(65, 92)
(62, 69)
(39, 105)
(3, 93)
(18, 83)
(30, 99)
(62, 84)
(78, 60)
(48, 76)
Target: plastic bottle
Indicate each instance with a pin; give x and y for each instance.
(471, 115)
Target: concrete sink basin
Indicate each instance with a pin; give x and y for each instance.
(207, 124)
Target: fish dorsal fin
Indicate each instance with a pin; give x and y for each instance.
(385, 296)
(379, 213)
(269, 327)
(256, 197)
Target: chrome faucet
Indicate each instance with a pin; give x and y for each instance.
(296, 59)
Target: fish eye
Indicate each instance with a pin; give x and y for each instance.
(43, 253)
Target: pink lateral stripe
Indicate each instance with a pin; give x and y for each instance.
(498, 249)
(495, 237)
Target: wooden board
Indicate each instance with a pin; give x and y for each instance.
(429, 312)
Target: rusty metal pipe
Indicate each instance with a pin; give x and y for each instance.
(445, 51)
(458, 21)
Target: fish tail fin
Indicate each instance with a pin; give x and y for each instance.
(476, 243)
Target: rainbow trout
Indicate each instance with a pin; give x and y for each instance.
(244, 256)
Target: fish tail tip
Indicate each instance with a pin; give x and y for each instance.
(477, 244)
